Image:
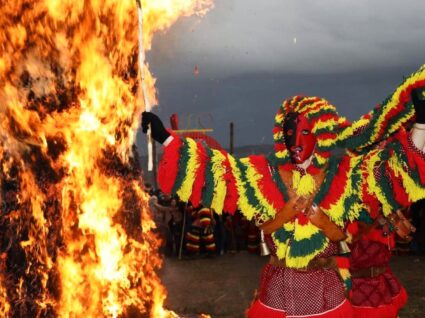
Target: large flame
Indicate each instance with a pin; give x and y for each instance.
(75, 232)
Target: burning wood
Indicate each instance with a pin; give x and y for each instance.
(75, 231)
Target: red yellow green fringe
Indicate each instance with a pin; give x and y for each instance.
(380, 168)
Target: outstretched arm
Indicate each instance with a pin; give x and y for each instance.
(159, 133)
(213, 177)
(393, 173)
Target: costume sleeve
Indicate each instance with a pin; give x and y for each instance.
(339, 196)
(395, 175)
(217, 180)
(391, 177)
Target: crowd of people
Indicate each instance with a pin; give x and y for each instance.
(189, 232)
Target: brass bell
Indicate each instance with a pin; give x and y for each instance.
(264, 249)
(343, 248)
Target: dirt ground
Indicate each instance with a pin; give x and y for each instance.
(223, 286)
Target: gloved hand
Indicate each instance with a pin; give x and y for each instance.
(157, 128)
(418, 99)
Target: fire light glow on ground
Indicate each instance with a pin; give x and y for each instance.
(75, 234)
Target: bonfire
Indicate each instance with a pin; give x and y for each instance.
(76, 235)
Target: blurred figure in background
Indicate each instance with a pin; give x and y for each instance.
(201, 232)
(158, 216)
(169, 217)
(219, 234)
(253, 238)
(230, 244)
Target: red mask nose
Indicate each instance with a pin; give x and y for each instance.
(299, 138)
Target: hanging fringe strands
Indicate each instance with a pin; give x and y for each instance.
(391, 115)
(343, 268)
(243, 202)
(232, 196)
(199, 181)
(185, 191)
(254, 177)
(169, 166)
(220, 188)
(390, 173)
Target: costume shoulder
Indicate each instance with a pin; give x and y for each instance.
(200, 174)
(390, 176)
(394, 175)
(393, 114)
(380, 166)
(339, 195)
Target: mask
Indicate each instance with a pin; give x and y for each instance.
(299, 139)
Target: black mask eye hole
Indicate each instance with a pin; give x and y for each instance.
(289, 132)
(305, 132)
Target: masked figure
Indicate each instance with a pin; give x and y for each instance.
(201, 231)
(301, 196)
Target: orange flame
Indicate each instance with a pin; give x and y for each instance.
(73, 214)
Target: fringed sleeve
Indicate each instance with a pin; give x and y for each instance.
(339, 195)
(394, 113)
(215, 179)
(395, 175)
(381, 166)
(391, 176)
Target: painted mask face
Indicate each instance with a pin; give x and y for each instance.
(299, 139)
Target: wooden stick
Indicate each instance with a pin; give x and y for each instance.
(141, 59)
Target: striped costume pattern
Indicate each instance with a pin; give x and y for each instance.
(201, 234)
(380, 165)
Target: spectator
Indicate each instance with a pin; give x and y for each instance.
(158, 217)
(175, 224)
(219, 234)
(148, 188)
(230, 237)
(253, 238)
(172, 221)
(201, 232)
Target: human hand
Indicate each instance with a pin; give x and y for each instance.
(301, 204)
(158, 131)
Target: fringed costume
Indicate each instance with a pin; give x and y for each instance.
(201, 231)
(306, 277)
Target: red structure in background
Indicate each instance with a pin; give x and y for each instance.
(201, 136)
(174, 122)
(196, 134)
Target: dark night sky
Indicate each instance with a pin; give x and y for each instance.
(253, 54)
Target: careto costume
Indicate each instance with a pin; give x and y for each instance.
(303, 213)
(201, 231)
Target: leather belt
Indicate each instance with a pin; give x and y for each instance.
(275, 261)
(369, 272)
